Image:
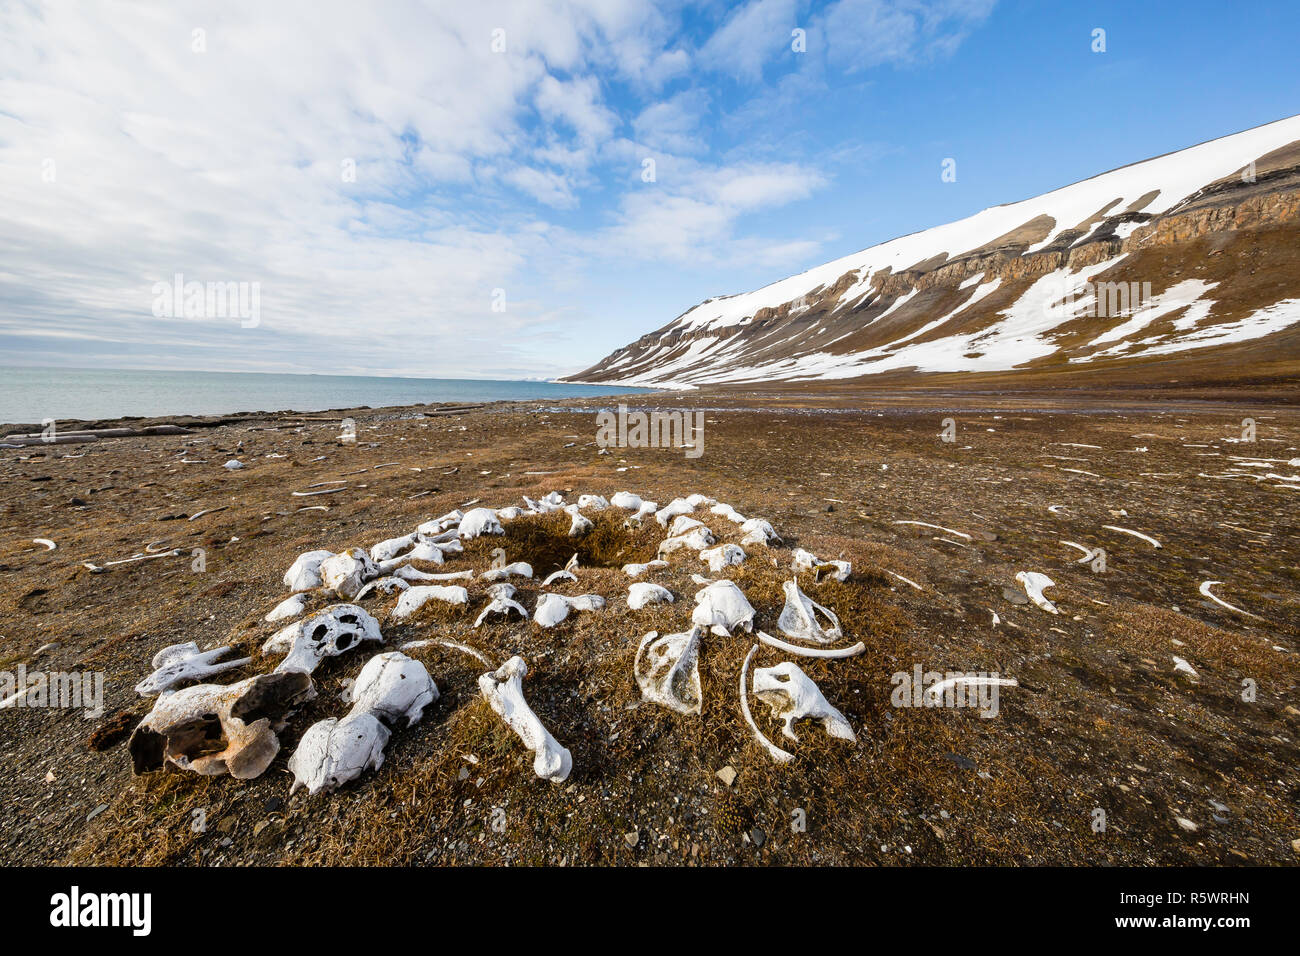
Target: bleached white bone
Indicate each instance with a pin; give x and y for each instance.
(479, 521)
(182, 663)
(289, 607)
(464, 648)
(799, 618)
(327, 633)
(775, 752)
(553, 608)
(722, 607)
(184, 725)
(1205, 589)
(451, 519)
(697, 539)
(728, 512)
(509, 513)
(503, 690)
(393, 547)
(759, 531)
(935, 692)
(407, 573)
(807, 561)
(519, 569)
(636, 570)
(678, 506)
(832, 652)
(793, 695)
(667, 670)
(1137, 534)
(625, 500)
(304, 573)
(722, 556)
(646, 510)
(594, 502)
(1186, 668)
(345, 573)
(46, 543)
(392, 690)
(682, 524)
(937, 527)
(643, 593)
(580, 524)
(415, 598)
(501, 602)
(1034, 582)
(387, 586)
(566, 574)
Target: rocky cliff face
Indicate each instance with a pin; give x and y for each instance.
(1205, 240)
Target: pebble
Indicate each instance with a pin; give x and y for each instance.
(1187, 824)
(632, 837)
(758, 836)
(273, 804)
(727, 775)
(964, 762)
(1014, 596)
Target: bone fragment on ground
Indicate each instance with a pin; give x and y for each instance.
(479, 521)
(501, 601)
(564, 574)
(1034, 582)
(643, 593)
(636, 570)
(580, 524)
(594, 502)
(289, 607)
(347, 572)
(697, 539)
(775, 752)
(202, 728)
(799, 618)
(759, 531)
(553, 608)
(46, 543)
(832, 652)
(520, 569)
(722, 607)
(937, 527)
(407, 573)
(391, 691)
(438, 525)
(182, 664)
(728, 512)
(389, 585)
(625, 500)
(416, 597)
(807, 561)
(793, 695)
(667, 670)
(1137, 534)
(503, 690)
(722, 556)
(391, 548)
(678, 506)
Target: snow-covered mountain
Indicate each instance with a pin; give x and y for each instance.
(1191, 256)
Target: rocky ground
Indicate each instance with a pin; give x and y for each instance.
(1187, 769)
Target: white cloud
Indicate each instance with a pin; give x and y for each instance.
(751, 38)
(865, 33)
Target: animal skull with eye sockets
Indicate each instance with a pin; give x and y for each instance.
(214, 729)
(327, 633)
(792, 695)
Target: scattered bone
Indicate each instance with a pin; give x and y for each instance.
(415, 598)
(510, 513)
(391, 690)
(386, 586)
(1137, 534)
(289, 607)
(580, 524)
(313, 494)
(566, 574)
(553, 608)
(502, 602)
(723, 556)
(798, 618)
(1033, 582)
(926, 524)
(391, 548)
(759, 531)
(777, 754)
(182, 664)
(728, 512)
(327, 633)
(1205, 589)
(345, 573)
(465, 648)
(832, 653)
(636, 570)
(304, 573)
(697, 539)
(134, 559)
(936, 691)
(625, 500)
(594, 502)
(438, 525)
(46, 543)
(1182, 665)
(722, 607)
(503, 690)
(414, 574)
(807, 561)
(678, 506)
(642, 593)
(646, 510)
(672, 674)
(201, 728)
(1057, 509)
(479, 521)
(793, 695)
(905, 580)
(521, 569)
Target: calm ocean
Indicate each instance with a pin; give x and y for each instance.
(31, 395)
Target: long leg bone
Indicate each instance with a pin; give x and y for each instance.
(503, 690)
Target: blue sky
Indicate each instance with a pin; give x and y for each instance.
(499, 223)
